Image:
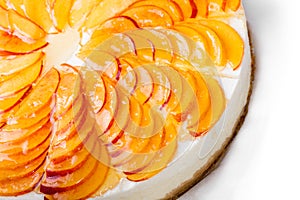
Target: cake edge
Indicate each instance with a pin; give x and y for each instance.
(217, 158)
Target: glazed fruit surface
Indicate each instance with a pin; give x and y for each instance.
(147, 81)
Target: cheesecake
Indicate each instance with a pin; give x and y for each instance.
(118, 99)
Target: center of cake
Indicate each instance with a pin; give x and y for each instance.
(61, 47)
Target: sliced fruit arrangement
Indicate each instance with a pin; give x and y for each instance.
(77, 163)
(149, 98)
(75, 132)
(217, 37)
(25, 138)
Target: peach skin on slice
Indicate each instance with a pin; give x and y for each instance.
(149, 16)
(10, 44)
(60, 183)
(22, 185)
(21, 80)
(92, 180)
(69, 164)
(36, 11)
(118, 24)
(9, 67)
(161, 85)
(169, 6)
(231, 40)
(105, 116)
(186, 7)
(201, 7)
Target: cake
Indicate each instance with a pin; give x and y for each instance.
(118, 99)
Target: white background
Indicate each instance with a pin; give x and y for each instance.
(264, 160)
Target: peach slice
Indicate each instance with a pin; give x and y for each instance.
(4, 22)
(191, 33)
(176, 88)
(214, 44)
(187, 50)
(12, 100)
(144, 87)
(38, 100)
(22, 185)
(105, 10)
(87, 188)
(198, 114)
(10, 44)
(218, 100)
(144, 48)
(69, 164)
(13, 136)
(80, 10)
(127, 79)
(42, 17)
(70, 120)
(141, 160)
(60, 183)
(21, 80)
(60, 16)
(160, 161)
(22, 171)
(16, 5)
(27, 143)
(161, 85)
(92, 180)
(106, 115)
(24, 27)
(187, 97)
(169, 6)
(118, 24)
(112, 180)
(161, 45)
(232, 42)
(104, 63)
(149, 16)
(14, 160)
(65, 149)
(9, 67)
(3, 3)
(186, 7)
(201, 7)
(67, 91)
(233, 4)
(117, 45)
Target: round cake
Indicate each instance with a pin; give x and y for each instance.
(118, 99)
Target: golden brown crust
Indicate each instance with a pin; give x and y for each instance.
(216, 159)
